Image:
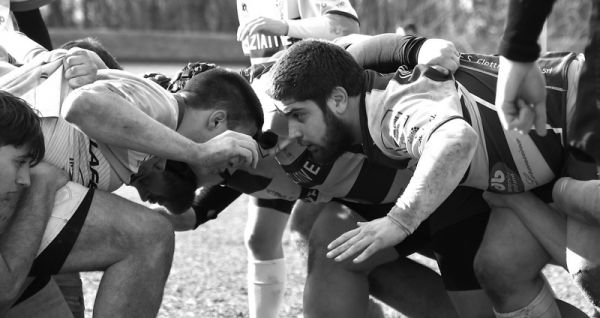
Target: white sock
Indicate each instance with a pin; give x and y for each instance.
(542, 306)
(266, 285)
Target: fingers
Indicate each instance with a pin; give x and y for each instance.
(347, 245)
(80, 68)
(368, 252)
(526, 117)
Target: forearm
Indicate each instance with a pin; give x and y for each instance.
(443, 163)
(20, 242)
(19, 46)
(111, 119)
(386, 52)
(525, 20)
(328, 27)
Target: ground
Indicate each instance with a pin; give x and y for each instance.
(208, 277)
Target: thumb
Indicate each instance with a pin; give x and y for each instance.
(540, 118)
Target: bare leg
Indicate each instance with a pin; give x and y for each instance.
(302, 219)
(133, 246)
(413, 289)
(266, 263)
(583, 259)
(509, 261)
(342, 289)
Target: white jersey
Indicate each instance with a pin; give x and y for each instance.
(262, 47)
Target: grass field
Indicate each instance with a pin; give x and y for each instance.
(208, 277)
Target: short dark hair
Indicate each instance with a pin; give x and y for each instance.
(21, 126)
(224, 89)
(311, 69)
(94, 45)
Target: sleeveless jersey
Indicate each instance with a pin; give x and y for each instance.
(400, 111)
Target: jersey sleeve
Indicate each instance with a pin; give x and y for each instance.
(418, 106)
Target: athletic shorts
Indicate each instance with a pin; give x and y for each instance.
(71, 207)
(279, 205)
(454, 244)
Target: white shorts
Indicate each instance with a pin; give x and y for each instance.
(66, 202)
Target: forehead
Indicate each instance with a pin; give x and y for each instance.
(289, 106)
(10, 152)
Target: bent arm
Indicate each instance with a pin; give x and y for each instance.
(110, 118)
(443, 162)
(20, 241)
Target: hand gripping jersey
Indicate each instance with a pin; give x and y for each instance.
(262, 47)
(40, 82)
(400, 111)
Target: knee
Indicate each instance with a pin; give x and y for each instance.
(588, 279)
(155, 237)
(260, 245)
(495, 271)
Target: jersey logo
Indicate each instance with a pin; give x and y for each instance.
(309, 195)
(504, 180)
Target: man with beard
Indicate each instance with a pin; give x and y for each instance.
(446, 130)
(364, 191)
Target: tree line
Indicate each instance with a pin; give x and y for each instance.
(474, 25)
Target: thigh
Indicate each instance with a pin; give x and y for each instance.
(304, 215)
(47, 302)
(266, 221)
(335, 220)
(105, 229)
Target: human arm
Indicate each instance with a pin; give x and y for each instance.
(20, 239)
(519, 50)
(443, 162)
(328, 26)
(386, 52)
(112, 118)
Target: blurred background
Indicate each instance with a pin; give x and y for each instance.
(184, 30)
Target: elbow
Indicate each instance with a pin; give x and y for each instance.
(467, 140)
(80, 106)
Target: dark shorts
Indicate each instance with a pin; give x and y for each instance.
(453, 232)
(283, 206)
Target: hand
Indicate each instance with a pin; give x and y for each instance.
(49, 174)
(369, 238)
(264, 25)
(229, 150)
(521, 96)
(441, 53)
(81, 67)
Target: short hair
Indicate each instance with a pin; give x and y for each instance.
(94, 45)
(21, 126)
(311, 69)
(224, 89)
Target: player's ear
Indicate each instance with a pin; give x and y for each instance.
(338, 100)
(217, 119)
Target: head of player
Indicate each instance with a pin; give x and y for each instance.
(21, 146)
(211, 102)
(315, 82)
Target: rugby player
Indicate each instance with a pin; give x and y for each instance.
(104, 162)
(266, 28)
(28, 189)
(350, 178)
(446, 130)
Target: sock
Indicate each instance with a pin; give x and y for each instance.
(542, 306)
(266, 285)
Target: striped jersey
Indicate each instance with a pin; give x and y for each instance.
(292, 173)
(400, 111)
